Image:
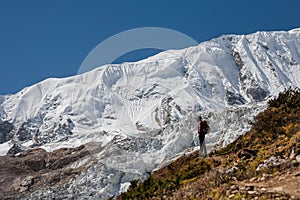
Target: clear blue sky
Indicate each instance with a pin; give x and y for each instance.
(42, 39)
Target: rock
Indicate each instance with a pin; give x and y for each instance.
(251, 192)
(228, 192)
(257, 93)
(35, 169)
(242, 188)
(298, 158)
(232, 170)
(23, 189)
(247, 153)
(231, 196)
(294, 162)
(27, 182)
(293, 154)
(5, 131)
(234, 98)
(234, 187)
(15, 149)
(34, 159)
(36, 164)
(270, 162)
(252, 179)
(249, 187)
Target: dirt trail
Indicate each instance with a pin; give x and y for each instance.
(287, 183)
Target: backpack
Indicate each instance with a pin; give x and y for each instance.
(205, 127)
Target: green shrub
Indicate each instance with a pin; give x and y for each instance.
(290, 98)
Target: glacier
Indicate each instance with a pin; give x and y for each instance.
(135, 117)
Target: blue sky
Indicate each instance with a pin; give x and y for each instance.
(42, 39)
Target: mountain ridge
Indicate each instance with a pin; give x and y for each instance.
(143, 113)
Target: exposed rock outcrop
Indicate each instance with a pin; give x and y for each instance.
(34, 169)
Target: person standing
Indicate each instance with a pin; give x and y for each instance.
(203, 129)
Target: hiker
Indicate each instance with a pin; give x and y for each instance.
(203, 129)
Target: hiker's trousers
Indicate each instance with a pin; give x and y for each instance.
(203, 150)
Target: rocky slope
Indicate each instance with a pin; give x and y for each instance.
(263, 164)
(36, 169)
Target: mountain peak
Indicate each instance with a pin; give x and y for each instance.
(139, 114)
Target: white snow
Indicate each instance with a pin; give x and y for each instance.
(142, 114)
(4, 147)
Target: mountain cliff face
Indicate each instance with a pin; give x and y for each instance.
(134, 116)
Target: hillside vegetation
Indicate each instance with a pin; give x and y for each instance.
(262, 164)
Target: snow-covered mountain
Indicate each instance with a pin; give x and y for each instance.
(141, 114)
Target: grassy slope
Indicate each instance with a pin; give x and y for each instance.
(231, 172)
